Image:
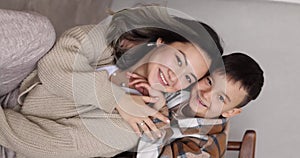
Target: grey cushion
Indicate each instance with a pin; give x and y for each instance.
(24, 39)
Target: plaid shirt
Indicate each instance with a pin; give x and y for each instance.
(186, 137)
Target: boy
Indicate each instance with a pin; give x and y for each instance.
(199, 127)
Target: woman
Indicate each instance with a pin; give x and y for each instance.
(70, 110)
(175, 39)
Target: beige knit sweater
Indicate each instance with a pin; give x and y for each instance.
(69, 112)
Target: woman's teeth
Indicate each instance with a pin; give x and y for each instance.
(163, 78)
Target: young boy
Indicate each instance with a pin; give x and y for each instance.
(199, 127)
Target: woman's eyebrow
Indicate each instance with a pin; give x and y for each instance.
(183, 56)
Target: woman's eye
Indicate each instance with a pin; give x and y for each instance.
(179, 61)
(188, 79)
(221, 98)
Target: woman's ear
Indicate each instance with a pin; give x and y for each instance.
(232, 112)
(159, 41)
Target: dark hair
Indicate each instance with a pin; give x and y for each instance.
(242, 68)
(147, 36)
(151, 34)
(196, 26)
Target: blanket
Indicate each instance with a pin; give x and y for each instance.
(187, 137)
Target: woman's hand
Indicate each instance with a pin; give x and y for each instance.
(142, 85)
(137, 115)
(134, 79)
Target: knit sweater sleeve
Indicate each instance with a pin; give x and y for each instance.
(68, 70)
(37, 137)
(34, 136)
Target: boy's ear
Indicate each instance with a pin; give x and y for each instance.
(159, 41)
(232, 112)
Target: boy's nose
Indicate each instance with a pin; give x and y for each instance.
(206, 95)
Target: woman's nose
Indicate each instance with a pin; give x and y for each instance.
(172, 76)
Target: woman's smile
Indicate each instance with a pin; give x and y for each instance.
(162, 79)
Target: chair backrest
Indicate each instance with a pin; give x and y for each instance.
(246, 147)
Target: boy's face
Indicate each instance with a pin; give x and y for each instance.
(215, 95)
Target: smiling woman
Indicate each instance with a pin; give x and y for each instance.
(179, 62)
(171, 67)
(170, 54)
(175, 66)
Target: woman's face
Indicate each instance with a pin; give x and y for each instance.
(175, 66)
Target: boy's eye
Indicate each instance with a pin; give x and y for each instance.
(188, 79)
(179, 61)
(221, 98)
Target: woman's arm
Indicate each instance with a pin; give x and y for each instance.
(33, 136)
(68, 70)
(37, 137)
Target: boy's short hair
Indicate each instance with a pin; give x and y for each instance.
(242, 68)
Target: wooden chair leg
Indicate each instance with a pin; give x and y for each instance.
(246, 147)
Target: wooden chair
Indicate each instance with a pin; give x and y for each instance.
(246, 147)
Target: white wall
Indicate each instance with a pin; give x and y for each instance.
(269, 32)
